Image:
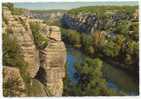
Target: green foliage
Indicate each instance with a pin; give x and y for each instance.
(132, 52)
(11, 52)
(90, 82)
(12, 57)
(103, 10)
(123, 27)
(117, 39)
(110, 49)
(87, 44)
(40, 41)
(134, 27)
(118, 45)
(72, 37)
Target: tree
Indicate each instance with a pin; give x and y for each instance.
(91, 82)
(71, 37)
(132, 52)
(87, 44)
(123, 27)
(74, 38)
(119, 41)
(11, 52)
(110, 49)
(134, 30)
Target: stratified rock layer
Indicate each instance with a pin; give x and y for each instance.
(13, 84)
(53, 59)
(92, 22)
(18, 27)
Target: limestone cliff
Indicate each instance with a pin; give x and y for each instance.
(53, 59)
(92, 22)
(46, 66)
(18, 27)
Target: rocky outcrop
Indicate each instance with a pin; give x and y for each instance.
(91, 22)
(53, 59)
(46, 66)
(82, 23)
(13, 83)
(18, 27)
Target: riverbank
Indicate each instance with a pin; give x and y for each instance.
(117, 79)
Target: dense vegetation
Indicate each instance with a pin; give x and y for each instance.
(39, 40)
(90, 81)
(118, 45)
(103, 10)
(11, 52)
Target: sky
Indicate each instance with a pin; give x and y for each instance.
(68, 5)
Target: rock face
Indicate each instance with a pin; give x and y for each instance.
(53, 59)
(55, 33)
(48, 64)
(16, 86)
(90, 23)
(18, 27)
(82, 23)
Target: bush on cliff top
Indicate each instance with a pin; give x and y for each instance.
(40, 41)
(11, 52)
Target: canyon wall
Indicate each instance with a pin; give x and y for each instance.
(91, 22)
(45, 67)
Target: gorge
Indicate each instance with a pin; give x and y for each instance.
(86, 51)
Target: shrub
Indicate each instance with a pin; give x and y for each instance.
(11, 52)
(40, 41)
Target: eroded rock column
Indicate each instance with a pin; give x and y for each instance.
(53, 59)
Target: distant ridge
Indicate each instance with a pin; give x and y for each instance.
(69, 5)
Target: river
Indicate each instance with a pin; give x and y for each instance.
(117, 79)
